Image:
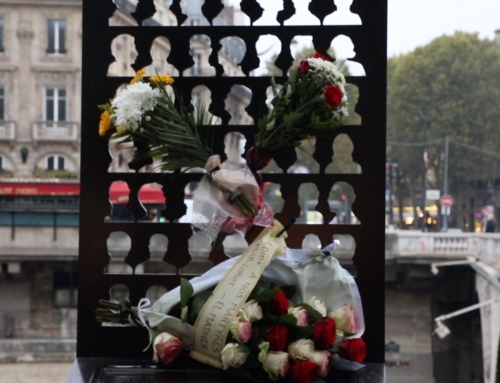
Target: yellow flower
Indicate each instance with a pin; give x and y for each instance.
(105, 123)
(138, 76)
(119, 129)
(164, 78)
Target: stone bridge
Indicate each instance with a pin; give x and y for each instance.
(418, 252)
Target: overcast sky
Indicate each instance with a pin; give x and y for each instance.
(415, 23)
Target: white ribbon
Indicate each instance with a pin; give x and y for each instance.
(141, 310)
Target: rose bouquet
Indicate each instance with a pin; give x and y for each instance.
(145, 112)
(312, 103)
(274, 313)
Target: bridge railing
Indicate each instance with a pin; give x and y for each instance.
(28, 242)
(448, 245)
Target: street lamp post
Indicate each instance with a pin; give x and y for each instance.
(445, 182)
(421, 117)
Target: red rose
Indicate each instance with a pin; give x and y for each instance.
(321, 56)
(166, 348)
(303, 371)
(324, 333)
(333, 96)
(353, 349)
(304, 67)
(277, 337)
(279, 303)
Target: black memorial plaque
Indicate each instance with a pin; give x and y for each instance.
(368, 139)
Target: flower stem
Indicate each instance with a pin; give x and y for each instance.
(239, 200)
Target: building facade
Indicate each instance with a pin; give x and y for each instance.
(40, 98)
(40, 77)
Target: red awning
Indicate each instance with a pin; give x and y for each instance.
(39, 189)
(148, 194)
(118, 194)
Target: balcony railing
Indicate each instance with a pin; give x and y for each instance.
(7, 130)
(55, 130)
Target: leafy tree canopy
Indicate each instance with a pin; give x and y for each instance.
(450, 87)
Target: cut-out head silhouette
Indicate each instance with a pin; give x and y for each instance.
(343, 15)
(234, 146)
(343, 5)
(343, 146)
(343, 47)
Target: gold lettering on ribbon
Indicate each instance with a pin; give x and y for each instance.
(212, 325)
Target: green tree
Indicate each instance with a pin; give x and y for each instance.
(450, 87)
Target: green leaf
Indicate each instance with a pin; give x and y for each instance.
(186, 291)
(311, 311)
(287, 319)
(199, 300)
(269, 319)
(296, 333)
(184, 314)
(263, 295)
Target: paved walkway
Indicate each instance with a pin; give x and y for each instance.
(34, 372)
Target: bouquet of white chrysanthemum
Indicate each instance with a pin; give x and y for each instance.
(146, 113)
(130, 105)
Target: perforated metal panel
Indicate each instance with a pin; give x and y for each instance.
(368, 139)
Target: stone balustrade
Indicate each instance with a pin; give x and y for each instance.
(7, 130)
(416, 244)
(55, 131)
(41, 242)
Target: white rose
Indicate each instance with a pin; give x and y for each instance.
(344, 318)
(166, 348)
(322, 359)
(233, 355)
(301, 349)
(317, 305)
(242, 331)
(251, 311)
(276, 364)
(300, 314)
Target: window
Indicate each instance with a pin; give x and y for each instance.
(55, 162)
(55, 104)
(65, 289)
(2, 103)
(2, 47)
(56, 37)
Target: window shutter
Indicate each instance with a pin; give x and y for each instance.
(61, 105)
(51, 35)
(60, 163)
(50, 163)
(2, 48)
(62, 36)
